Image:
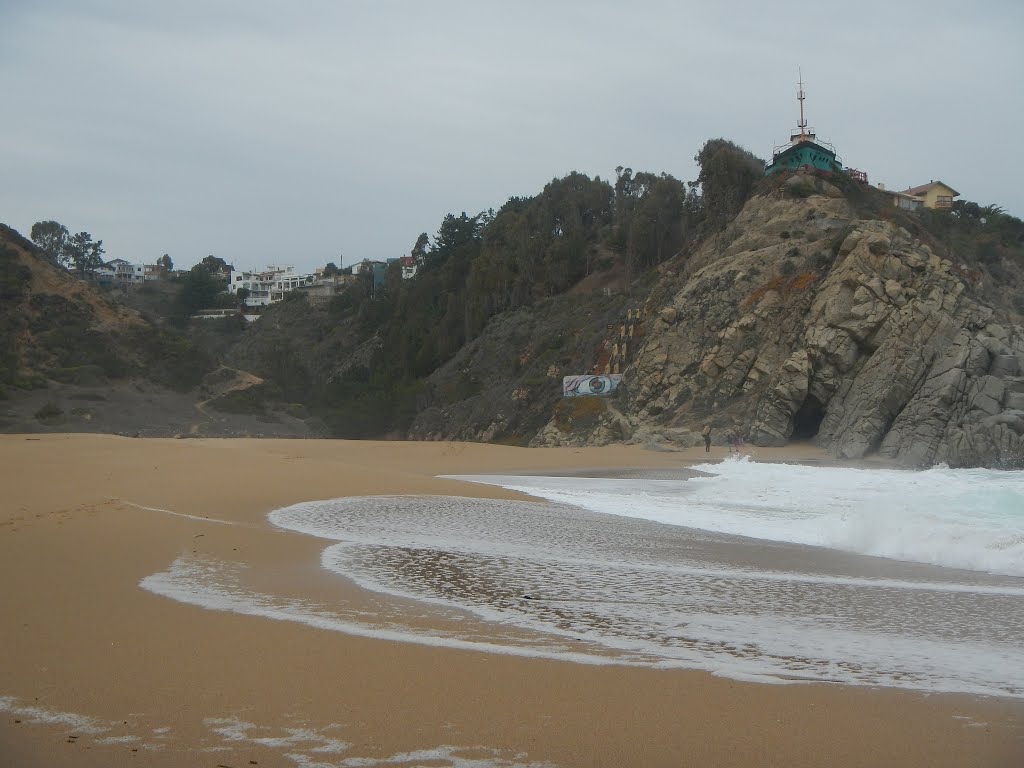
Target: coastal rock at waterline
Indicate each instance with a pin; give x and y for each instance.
(800, 321)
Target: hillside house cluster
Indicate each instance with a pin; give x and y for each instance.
(124, 272)
(269, 285)
(379, 268)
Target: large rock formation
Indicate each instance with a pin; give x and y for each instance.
(801, 320)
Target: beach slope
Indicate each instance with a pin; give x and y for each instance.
(98, 671)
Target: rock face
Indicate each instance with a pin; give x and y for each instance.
(801, 321)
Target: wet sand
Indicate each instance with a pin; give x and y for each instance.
(159, 683)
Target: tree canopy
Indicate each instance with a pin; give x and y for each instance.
(84, 254)
(727, 177)
(52, 237)
(199, 290)
(79, 251)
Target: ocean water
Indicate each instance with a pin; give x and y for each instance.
(775, 573)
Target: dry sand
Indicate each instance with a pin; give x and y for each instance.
(168, 684)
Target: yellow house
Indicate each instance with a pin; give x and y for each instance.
(934, 194)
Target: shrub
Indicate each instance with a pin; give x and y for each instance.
(579, 413)
(91, 396)
(840, 238)
(82, 375)
(248, 401)
(296, 411)
(49, 412)
(787, 268)
(801, 189)
(821, 261)
(987, 252)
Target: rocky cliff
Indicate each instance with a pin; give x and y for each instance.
(804, 319)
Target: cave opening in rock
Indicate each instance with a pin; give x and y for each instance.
(807, 419)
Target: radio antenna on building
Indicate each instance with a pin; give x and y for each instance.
(800, 97)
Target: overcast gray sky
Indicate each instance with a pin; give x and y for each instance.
(312, 131)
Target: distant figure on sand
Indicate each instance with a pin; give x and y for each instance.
(706, 434)
(735, 438)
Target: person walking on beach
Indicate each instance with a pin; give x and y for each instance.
(706, 434)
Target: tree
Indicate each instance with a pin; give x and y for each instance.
(165, 264)
(84, 253)
(419, 251)
(727, 177)
(242, 294)
(198, 290)
(52, 237)
(213, 265)
(331, 269)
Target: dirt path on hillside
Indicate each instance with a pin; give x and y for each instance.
(242, 380)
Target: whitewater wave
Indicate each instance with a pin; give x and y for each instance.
(970, 519)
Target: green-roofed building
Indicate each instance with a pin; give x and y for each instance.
(804, 151)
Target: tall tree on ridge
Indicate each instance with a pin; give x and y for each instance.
(84, 253)
(52, 237)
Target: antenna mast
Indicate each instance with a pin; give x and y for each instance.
(800, 97)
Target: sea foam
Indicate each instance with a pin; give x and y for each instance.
(955, 518)
(763, 572)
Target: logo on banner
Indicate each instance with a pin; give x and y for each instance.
(579, 386)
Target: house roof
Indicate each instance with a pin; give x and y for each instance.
(925, 188)
(897, 193)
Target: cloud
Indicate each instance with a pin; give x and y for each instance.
(266, 132)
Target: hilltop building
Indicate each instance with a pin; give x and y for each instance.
(934, 194)
(804, 151)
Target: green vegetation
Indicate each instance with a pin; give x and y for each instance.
(249, 401)
(728, 177)
(14, 281)
(503, 303)
(169, 358)
(199, 290)
(79, 251)
(82, 375)
(50, 413)
(985, 234)
(475, 268)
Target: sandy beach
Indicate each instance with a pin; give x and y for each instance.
(99, 672)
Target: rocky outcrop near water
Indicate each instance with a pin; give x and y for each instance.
(804, 320)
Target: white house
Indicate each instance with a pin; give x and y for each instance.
(127, 272)
(268, 286)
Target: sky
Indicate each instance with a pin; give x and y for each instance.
(272, 132)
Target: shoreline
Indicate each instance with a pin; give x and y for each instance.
(86, 639)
